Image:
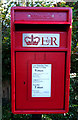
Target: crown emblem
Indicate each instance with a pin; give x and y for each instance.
(32, 40)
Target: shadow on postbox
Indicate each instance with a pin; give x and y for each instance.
(40, 59)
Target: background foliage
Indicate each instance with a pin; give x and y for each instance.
(6, 58)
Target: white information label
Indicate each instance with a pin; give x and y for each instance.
(41, 40)
(41, 80)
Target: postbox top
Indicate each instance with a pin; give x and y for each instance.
(42, 8)
(41, 15)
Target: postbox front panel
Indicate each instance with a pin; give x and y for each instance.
(31, 75)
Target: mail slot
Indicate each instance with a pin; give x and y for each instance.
(40, 59)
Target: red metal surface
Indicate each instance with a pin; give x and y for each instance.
(41, 16)
(22, 59)
(40, 22)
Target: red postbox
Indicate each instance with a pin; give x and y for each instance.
(40, 59)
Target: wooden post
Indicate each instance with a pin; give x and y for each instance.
(36, 116)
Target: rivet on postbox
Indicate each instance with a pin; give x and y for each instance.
(29, 16)
(52, 16)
